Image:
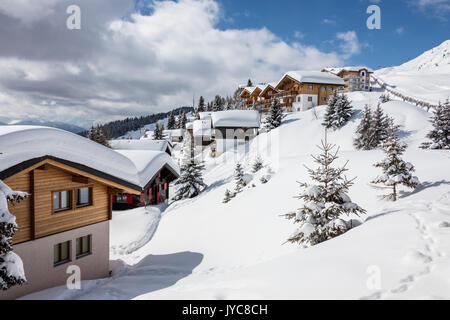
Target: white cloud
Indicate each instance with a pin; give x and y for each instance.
(439, 8)
(28, 11)
(154, 63)
(350, 44)
(400, 30)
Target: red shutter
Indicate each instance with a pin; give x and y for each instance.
(129, 198)
(157, 194)
(113, 198)
(141, 198)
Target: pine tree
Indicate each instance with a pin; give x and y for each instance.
(258, 164)
(275, 117)
(218, 104)
(395, 171)
(249, 83)
(343, 112)
(440, 134)
(191, 180)
(228, 196)
(201, 105)
(239, 178)
(182, 121)
(209, 107)
(324, 202)
(158, 132)
(380, 127)
(364, 132)
(11, 266)
(331, 109)
(171, 122)
(96, 134)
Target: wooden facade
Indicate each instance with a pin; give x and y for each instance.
(155, 192)
(36, 215)
(354, 79)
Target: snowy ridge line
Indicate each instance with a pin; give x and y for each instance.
(405, 97)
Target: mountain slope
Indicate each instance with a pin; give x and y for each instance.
(426, 77)
(203, 249)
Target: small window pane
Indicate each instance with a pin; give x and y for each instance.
(83, 196)
(78, 246)
(85, 248)
(64, 199)
(56, 200)
(64, 251)
(56, 258)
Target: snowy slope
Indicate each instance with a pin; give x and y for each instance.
(205, 249)
(426, 77)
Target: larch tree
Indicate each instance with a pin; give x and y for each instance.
(364, 132)
(440, 134)
(11, 266)
(395, 170)
(325, 201)
(275, 117)
(190, 184)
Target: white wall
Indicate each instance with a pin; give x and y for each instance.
(304, 104)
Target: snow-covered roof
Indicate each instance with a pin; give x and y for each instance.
(149, 163)
(236, 119)
(142, 144)
(205, 115)
(176, 132)
(312, 77)
(202, 128)
(23, 143)
(267, 86)
(354, 69)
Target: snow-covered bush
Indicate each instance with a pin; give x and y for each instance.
(258, 164)
(11, 266)
(385, 98)
(324, 202)
(239, 178)
(395, 170)
(228, 196)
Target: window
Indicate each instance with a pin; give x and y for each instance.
(84, 197)
(61, 253)
(299, 99)
(62, 201)
(330, 89)
(310, 87)
(84, 246)
(322, 88)
(324, 99)
(309, 99)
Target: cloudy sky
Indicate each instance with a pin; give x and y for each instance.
(136, 57)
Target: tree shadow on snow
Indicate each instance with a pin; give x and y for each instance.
(152, 273)
(381, 215)
(422, 187)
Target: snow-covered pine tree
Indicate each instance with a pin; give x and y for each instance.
(331, 109)
(440, 134)
(380, 127)
(158, 132)
(201, 105)
(343, 111)
(11, 266)
(249, 83)
(182, 121)
(325, 201)
(258, 164)
(395, 171)
(385, 98)
(171, 122)
(364, 131)
(209, 107)
(191, 180)
(239, 178)
(228, 196)
(275, 117)
(229, 104)
(218, 104)
(96, 134)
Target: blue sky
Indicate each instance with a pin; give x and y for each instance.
(409, 27)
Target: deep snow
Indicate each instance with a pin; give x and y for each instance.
(203, 248)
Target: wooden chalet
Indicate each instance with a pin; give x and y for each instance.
(355, 78)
